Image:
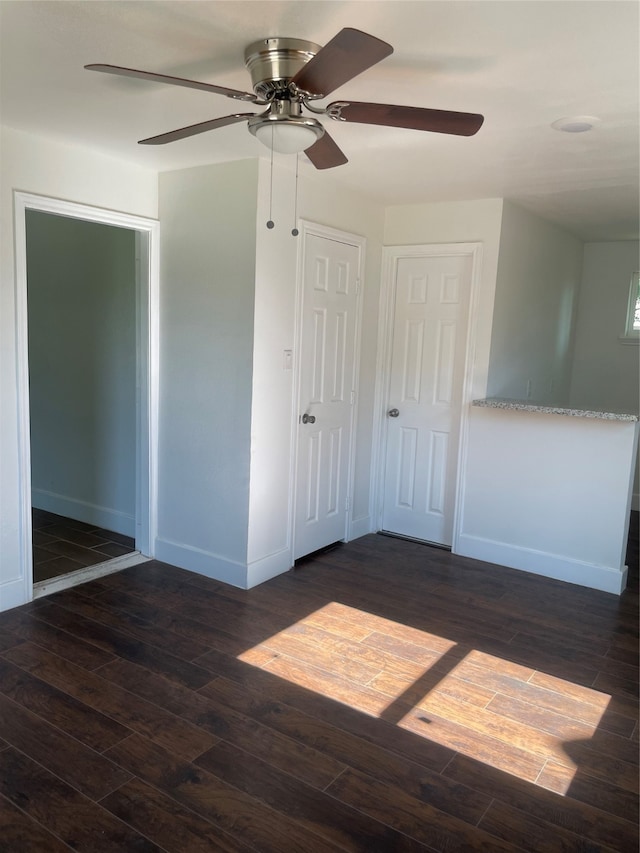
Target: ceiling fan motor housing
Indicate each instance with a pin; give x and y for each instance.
(272, 62)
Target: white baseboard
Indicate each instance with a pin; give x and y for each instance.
(201, 562)
(12, 594)
(360, 527)
(604, 578)
(101, 516)
(269, 567)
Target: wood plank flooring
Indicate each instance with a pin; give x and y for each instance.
(383, 696)
(63, 545)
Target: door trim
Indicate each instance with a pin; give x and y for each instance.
(391, 255)
(308, 228)
(148, 286)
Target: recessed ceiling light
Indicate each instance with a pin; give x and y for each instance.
(576, 124)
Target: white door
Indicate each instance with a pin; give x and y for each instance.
(330, 275)
(424, 400)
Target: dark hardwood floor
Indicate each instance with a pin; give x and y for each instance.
(384, 696)
(63, 545)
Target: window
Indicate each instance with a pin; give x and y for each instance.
(632, 328)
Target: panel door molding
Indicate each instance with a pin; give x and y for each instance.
(428, 309)
(327, 366)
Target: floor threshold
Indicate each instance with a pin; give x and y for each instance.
(89, 573)
(391, 535)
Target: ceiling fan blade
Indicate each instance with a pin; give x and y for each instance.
(325, 154)
(194, 129)
(174, 81)
(413, 118)
(348, 54)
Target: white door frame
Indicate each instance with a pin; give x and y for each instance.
(391, 255)
(148, 286)
(308, 228)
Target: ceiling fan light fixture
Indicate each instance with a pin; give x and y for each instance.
(287, 135)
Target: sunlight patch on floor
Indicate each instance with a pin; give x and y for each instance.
(512, 717)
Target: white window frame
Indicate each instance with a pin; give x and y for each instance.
(631, 335)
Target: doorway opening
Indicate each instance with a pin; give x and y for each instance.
(87, 283)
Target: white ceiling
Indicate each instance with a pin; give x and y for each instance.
(521, 64)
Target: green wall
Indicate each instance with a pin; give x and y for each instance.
(82, 369)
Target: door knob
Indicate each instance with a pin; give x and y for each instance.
(393, 413)
(308, 419)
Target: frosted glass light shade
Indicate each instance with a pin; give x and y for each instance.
(285, 137)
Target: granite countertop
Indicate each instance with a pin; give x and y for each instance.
(527, 406)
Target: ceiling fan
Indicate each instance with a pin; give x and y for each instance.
(288, 75)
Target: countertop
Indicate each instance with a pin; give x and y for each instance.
(528, 406)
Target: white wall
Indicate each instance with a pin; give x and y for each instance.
(561, 507)
(227, 316)
(269, 535)
(457, 222)
(225, 277)
(208, 263)
(606, 370)
(320, 200)
(47, 167)
(530, 283)
(549, 494)
(537, 285)
(82, 369)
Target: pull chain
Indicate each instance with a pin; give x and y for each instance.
(271, 223)
(294, 230)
